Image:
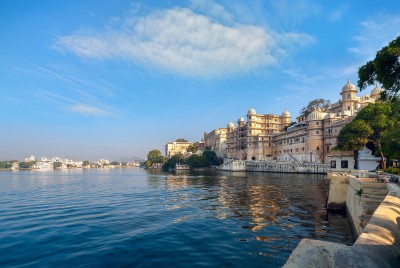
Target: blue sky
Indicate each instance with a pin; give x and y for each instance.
(110, 79)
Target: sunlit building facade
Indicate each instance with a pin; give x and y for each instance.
(309, 139)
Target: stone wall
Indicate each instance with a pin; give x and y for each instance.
(274, 166)
(363, 197)
(377, 246)
(339, 184)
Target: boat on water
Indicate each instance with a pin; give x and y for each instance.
(181, 167)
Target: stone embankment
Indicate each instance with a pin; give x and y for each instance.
(374, 210)
(274, 166)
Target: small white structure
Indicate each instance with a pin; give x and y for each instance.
(341, 160)
(366, 161)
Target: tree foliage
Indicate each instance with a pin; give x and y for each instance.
(114, 163)
(377, 124)
(192, 149)
(385, 69)
(7, 163)
(197, 161)
(57, 164)
(354, 136)
(181, 140)
(211, 158)
(155, 156)
(171, 162)
(25, 165)
(315, 104)
(85, 163)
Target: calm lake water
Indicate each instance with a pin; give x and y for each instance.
(135, 218)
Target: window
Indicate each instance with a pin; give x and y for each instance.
(317, 132)
(344, 164)
(317, 123)
(317, 148)
(327, 148)
(333, 164)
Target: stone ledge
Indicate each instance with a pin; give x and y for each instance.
(377, 246)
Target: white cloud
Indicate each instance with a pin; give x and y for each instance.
(183, 42)
(294, 12)
(212, 9)
(88, 109)
(337, 14)
(374, 34)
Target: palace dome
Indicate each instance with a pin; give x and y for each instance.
(230, 125)
(329, 116)
(349, 87)
(316, 115)
(286, 113)
(241, 119)
(251, 111)
(376, 91)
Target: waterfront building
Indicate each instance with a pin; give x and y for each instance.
(309, 139)
(216, 141)
(177, 147)
(253, 140)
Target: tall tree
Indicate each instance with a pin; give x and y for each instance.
(315, 104)
(378, 117)
(354, 136)
(385, 69)
(211, 157)
(181, 140)
(370, 125)
(155, 156)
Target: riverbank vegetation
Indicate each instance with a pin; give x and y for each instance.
(205, 160)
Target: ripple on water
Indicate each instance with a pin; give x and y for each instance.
(128, 217)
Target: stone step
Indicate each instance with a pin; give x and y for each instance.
(365, 219)
(375, 191)
(376, 198)
(368, 211)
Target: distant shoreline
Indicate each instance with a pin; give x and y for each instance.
(10, 169)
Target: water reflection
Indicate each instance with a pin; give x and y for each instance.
(261, 203)
(138, 218)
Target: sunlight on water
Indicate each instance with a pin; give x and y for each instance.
(128, 217)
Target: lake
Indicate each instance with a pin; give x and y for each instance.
(131, 217)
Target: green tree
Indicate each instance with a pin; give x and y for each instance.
(57, 165)
(211, 157)
(391, 136)
(197, 161)
(385, 69)
(378, 117)
(114, 163)
(86, 163)
(354, 136)
(148, 164)
(7, 163)
(155, 156)
(171, 162)
(315, 104)
(192, 149)
(26, 165)
(181, 140)
(370, 125)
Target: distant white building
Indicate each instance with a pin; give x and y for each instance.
(30, 159)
